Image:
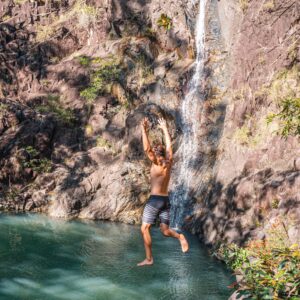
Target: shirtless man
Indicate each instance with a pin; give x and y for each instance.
(158, 203)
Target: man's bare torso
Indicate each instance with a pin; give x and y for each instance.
(160, 178)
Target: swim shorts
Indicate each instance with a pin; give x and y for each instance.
(157, 206)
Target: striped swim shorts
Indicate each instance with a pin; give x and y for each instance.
(157, 206)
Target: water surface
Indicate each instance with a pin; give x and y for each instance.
(44, 258)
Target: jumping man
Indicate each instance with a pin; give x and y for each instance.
(158, 203)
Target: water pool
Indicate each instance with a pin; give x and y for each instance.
(43, 258)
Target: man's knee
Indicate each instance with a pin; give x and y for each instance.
(145, 227)
(164, 229)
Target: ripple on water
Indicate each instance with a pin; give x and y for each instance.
(44, 258)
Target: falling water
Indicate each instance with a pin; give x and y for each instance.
(190, 119)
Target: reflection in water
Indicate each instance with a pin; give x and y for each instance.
(43, 258)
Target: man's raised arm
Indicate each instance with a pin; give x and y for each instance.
(146, 144)
(163, 125)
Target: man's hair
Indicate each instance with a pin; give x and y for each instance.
(159, 149)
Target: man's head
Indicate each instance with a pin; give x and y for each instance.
(159, 150)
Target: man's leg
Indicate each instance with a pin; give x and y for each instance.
(145, 229)
(166, 231)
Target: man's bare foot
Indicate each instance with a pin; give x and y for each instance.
(146, 262)
(184, 243)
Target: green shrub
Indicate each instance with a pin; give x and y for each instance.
(37, 164)
(101, 142)
(3, 108)
(85, 61)
(289, 117)
(145, 69)
(64, 115)
(89, 94)
(165, 22)
(270, 268)
(106, 72)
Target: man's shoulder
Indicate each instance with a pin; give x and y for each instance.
(168, 163)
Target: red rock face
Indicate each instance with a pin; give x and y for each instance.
(58, 152)
(256, 176)
(265, 41)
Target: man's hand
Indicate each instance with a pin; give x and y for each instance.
(145, 124)
(162, 124)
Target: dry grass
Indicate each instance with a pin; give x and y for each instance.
(86, 16)
(244, 4)
(269, 5)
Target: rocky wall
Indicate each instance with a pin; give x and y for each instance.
(64, 149)
(256, 171)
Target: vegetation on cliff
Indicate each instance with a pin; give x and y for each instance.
(289, 117)
(266, 269)
(103, 74)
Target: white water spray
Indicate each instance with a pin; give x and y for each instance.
(190, 120)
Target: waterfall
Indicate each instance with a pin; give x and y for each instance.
(188, 153)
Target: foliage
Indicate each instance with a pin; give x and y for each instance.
(20, 1)
(275, 203)
(90, 94)
(284, 92)
(289, 117)
(37, 164)
(54, 59)
(126, 105)
(145, 67)
(244, 5)
(3, 108)
(270, 268)
(285, 84)
(89, 130)
(108, 71)
(292, 51)
(85, 15)
(44, 32)
(242, 135)
(12, 193)
(250, 134)
(104, 143)
(269, 5)
(165, 22)
(85, 61)
(64, 115)
(149, 33)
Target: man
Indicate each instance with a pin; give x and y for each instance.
(158, 203)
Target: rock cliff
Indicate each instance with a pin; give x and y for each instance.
(76, 79)
(255, 179)
(78, 76)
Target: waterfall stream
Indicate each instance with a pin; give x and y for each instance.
(188, 153)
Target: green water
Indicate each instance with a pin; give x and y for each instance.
(44, 258)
